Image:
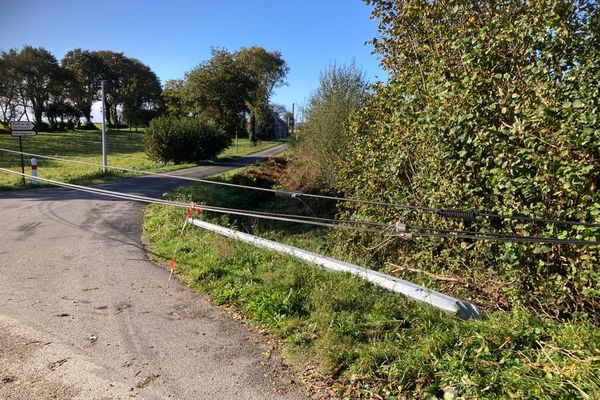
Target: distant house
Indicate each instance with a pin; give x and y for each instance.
(280, 129)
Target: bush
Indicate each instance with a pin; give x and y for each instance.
(179, 140)
(88, 126)
(490, 106)
(320, 145)
(42, 127)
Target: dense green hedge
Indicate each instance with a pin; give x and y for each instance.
(185, 139)
(490, 106)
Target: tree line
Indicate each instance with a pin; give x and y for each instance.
(33, 82)
(232, 89)
(225, 96)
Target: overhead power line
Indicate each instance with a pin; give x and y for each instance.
(222, 210)
(444, 212)
(323, 222)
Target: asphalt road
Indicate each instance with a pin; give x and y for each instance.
(84, 314)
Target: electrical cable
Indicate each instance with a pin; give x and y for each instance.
(447, 233)
(448, 213)
(222, 210)
(415, 231)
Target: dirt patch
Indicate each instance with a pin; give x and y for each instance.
(146, 381)
(22, 379)
(33, 366)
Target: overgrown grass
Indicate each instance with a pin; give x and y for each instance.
(124, 148)
(370, 342)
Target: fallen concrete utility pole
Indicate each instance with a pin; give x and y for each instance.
(445, 303)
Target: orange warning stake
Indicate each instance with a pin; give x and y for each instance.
(179, 236)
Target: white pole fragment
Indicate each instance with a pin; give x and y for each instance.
(450, 305)
(34, 172)
(103, 129)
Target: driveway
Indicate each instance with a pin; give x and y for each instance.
(84, 314)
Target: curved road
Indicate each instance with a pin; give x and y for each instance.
(84, 313)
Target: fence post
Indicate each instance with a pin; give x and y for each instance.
(34, 173)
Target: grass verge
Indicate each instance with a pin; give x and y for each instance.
(124, 149)
(364, 341)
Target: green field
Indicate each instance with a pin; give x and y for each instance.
(124, 148)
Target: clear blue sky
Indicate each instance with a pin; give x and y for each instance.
(174, 36)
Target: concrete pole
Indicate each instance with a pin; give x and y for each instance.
(293, 117)
(450, 305)
(103, 129)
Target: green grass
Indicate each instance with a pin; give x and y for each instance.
(124, 149)
(245, 147)
(367, 341)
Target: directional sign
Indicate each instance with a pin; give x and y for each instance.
(22, 126)
(23, 133)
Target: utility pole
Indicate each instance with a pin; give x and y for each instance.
(293, 118)
(103, 129)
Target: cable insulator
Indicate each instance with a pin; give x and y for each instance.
(400, 227)
(458, 214)
(288, 193)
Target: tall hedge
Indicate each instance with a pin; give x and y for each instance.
(490, 106)
(183, 139)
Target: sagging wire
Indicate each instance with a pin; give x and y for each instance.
(221, 210)
(443, 212)
(399, 229)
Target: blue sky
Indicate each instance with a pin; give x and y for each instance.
(174, 36)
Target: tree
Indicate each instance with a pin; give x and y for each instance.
(320, 149)
(114, 74)
(130, 86)
(37, 70)
(268, 71)
(173, 97)
(218, 89)
(61, 114)
(11, 101)
(142, 94)
(290, 121)
(87, 68)
(60, 106)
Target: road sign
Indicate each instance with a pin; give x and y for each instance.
(23, 133)
(22, 126)
(20, 129)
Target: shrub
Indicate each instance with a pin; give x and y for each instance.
(179, 140)
(490, 106)
(320, 145)
(88, 126)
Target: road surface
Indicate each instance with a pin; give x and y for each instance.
(84, 313)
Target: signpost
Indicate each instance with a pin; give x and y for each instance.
(20, 129)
